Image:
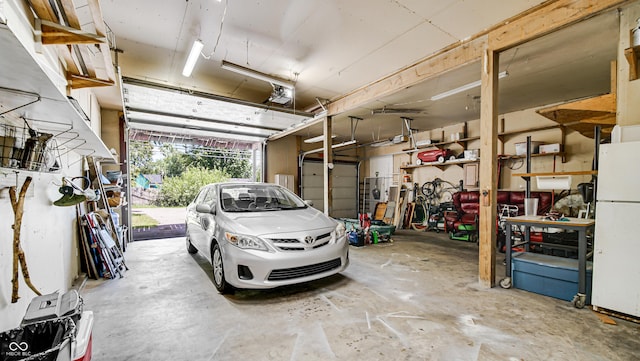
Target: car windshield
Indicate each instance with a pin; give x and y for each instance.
(258, 198)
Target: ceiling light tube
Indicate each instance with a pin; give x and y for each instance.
(192, 58)
(462, 88)
(334, 146)
(317, 139)
(256, 74)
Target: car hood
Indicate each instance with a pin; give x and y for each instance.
(270, 222)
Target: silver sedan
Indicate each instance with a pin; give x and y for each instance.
(259, 235)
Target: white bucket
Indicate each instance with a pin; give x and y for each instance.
(530, 206)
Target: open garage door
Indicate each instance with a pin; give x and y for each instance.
(345, 187)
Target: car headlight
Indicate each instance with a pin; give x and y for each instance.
(340, 230)
(245, 242)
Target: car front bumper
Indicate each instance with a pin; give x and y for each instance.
(273, 269)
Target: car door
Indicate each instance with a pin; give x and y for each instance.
(194, 227)
(207, 222)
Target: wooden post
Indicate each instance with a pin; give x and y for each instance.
(488, 168)
(328, 165)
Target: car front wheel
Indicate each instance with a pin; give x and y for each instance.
(218, 270)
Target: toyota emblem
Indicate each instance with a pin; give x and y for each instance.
(308, 239)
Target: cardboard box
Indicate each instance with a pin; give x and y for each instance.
(521, 148)
(550, 148)
(471, 154)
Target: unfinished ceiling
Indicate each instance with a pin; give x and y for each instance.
(330, 48)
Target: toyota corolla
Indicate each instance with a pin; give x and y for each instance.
(259, 235)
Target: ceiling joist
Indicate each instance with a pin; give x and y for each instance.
(87, 55)
(544, 19)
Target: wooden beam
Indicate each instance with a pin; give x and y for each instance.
(79, 81)
(98, 20)
(488, 168)
(54, 33)
(70, 12)
(328, 160)
(43, 10)
(65, 52)
(546, 19)
(412, 75)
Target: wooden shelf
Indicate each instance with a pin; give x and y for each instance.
(460, 141)
(458, 162)
(633, 54)
(23, 75)
(547, 174)
(532, 155)
(583, 115)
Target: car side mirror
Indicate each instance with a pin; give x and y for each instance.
(309, 202)
(205, 208)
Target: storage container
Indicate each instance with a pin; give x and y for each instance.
(549, 148)
(521, 148)
(548, 275)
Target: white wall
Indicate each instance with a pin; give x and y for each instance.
(48, 233)
(48, 238)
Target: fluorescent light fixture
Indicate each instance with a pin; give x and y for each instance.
(256, 74)
(317, 139)
(192, 58)
(465, 87)
(385, 110)
(334, 146)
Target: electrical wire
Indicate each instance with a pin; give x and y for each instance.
(224, 15)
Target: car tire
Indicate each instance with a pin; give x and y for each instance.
(190, 248)
(440, 159)
(419, 161)
(218, 270)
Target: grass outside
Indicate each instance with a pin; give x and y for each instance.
(142, 220)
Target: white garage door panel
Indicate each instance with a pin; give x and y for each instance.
(344, 191)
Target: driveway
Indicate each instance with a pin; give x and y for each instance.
(170, 223)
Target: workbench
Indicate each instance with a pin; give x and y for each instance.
(575, 224)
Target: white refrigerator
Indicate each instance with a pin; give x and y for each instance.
(616, 259)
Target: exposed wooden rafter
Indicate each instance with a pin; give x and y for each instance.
(79, 81)
(54, 33)
(82, 43)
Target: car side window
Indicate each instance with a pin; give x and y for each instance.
(210, 198)
(201, 196)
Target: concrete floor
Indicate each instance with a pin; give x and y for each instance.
(415, 299)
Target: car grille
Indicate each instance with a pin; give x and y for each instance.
(297, 272)
(293, 244)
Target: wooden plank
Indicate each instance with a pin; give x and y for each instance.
(53, 33)
(79, 81)
(488, 169)
(98, 20)
(425, 69)
(65, 52)
(632, 58)
(546, 19)
(43, 10)
(547, 174)
(108, 62)
(70, 12)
